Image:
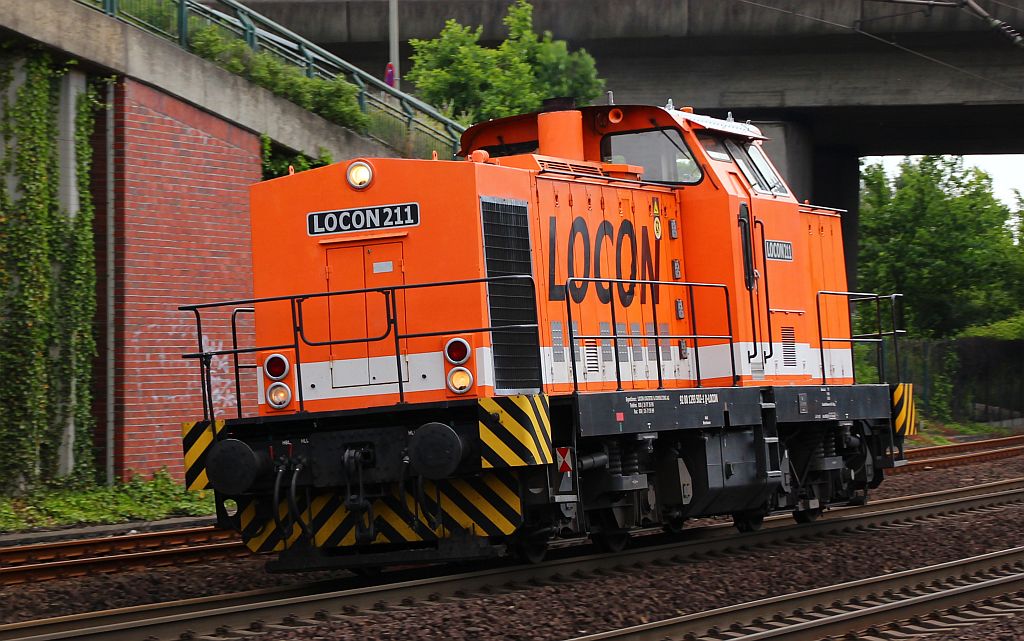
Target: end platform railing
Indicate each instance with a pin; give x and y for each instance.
(877, 337)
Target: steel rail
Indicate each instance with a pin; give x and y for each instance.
(968, 446)
(202, 616)
(839, 608)
(64, 559)
(958, 460)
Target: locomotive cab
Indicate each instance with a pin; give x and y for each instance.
(601, 319)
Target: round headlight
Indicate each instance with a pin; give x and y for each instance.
(276, 367)
(359, 174)
(460, 380)
(279, 395)
(457, 351)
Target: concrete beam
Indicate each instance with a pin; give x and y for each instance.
(841, 76)
(91, 36)
(365, 21)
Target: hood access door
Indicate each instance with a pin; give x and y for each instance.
(361, 320)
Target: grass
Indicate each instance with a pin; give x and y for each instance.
(139, 499)
(932, 432)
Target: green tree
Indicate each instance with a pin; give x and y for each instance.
(476, 83)
(939, 235)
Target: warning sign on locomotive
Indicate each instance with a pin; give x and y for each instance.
(363, 219)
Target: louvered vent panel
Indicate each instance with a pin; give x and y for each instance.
(507, 252)
(587, 170)
(788, 347)
(592, 355)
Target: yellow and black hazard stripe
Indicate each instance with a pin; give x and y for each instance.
(904, 412)
(484, 505)
(515, 431)
(258, 528)
(196, 439)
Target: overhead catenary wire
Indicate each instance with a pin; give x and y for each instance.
(1001, 27)
(1007, 5)
(867, 34)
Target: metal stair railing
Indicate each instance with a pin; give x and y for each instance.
(399, 120)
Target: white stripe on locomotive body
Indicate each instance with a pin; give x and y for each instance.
(714, 363)
(425, 372)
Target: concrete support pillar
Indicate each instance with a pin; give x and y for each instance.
(73, 84)
(17, 66)
(790, 147)
(836, 183)
(827, 176)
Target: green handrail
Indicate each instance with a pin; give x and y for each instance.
(399, 120)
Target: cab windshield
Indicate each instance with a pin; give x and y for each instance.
(661, 152)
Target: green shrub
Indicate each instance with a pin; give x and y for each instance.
(335, 100)
(142, 499)
(1007, 329)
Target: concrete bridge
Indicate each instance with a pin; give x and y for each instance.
(828, 80)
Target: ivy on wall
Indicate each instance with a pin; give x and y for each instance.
(47, 279)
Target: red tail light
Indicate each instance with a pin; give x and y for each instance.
(276, 367)
(457, 351)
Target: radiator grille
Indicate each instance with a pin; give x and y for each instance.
(507, 252)
(788, 347)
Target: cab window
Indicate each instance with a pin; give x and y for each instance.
(765, 167)
(755, 166)
(746, 166)
(713, 146)
(661, 152)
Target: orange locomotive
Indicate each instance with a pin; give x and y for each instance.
(601, 319)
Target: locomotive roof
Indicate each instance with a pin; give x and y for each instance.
(522, 122)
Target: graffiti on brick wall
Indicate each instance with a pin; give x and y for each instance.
(169, 380)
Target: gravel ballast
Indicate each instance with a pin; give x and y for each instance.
(638, 596)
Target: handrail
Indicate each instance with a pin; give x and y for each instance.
(407, 117)
(299, 338)
(657, 336)
(767, 289)
(877, 337)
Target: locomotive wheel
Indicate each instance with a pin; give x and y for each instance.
(750, 521)
(807, 516)
(860, 498)
(612, 541)
(368, 572)
(531, 551)
(610, 537)
(675, 525)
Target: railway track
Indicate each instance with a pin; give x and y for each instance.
(932, 599)
(69, 559)
(961, 454)
(299, 607)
